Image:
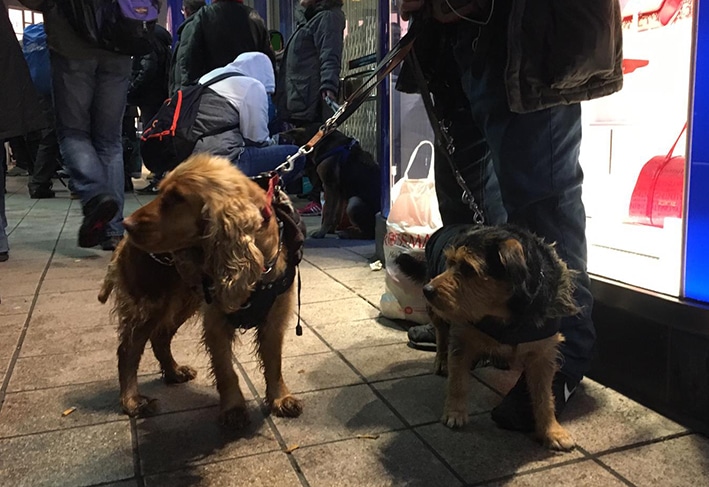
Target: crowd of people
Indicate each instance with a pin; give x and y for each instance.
(513, 113)
(88, 116)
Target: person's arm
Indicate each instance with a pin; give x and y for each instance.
(145, 74)
(261, 39)
(328, 37)
(253, 116)
(190, 56)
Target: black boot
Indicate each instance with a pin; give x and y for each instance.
(97, 213)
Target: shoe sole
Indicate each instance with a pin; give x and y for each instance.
(91, 231)
(425, 346)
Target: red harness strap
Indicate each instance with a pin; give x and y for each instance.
(267, 211)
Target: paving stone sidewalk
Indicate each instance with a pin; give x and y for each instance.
(371, 403)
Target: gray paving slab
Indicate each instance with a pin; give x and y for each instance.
(265, 470)
(68, 458)
(185, 439)
(420, 399)
(350, 309)
(481, 452)
(308, 373)
(30, 412)
(337, 414)
(364, 333)
(676, 462)
(586, 473)
(390, 361)
(388, 459)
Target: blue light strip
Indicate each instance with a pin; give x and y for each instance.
(696, 264)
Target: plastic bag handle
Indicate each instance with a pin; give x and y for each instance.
(413, 157)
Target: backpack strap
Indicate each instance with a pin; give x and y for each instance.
(220, 77)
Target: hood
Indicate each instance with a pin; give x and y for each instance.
(255, 65)
(321, 5)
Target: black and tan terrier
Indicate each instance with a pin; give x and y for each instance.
(496, 291)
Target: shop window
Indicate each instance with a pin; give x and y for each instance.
(633, 188)
(21, 18)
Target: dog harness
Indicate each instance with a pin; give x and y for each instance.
(292, 236)
(520, 331)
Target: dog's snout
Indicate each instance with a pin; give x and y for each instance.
(429, 291)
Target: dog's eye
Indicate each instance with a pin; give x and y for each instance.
(171, 198)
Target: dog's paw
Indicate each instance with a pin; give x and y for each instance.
(318, 234)
(236, 418)
(182, 373)
(440, 367)
(557, 438)
(288, 406)
(139, 406)
(455, 419)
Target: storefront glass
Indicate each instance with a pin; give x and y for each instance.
(634, 183)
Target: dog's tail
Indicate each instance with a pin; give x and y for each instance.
(107, 286)
(412, 267)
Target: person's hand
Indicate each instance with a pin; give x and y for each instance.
(406, 7)
(328, 94)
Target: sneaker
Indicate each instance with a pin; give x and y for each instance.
(97, 213)
(313, 209)
(110, 243)
(515, 410)
(150, 189)
(16, 171)
(4, 256)
(42, 193)
(423, 337)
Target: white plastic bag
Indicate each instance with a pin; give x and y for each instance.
(413, 217)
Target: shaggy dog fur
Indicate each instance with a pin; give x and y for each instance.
(206, 222)
(496, 291)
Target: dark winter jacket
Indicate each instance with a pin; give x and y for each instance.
(148, 83)
(215, 36)
(175, 76)
(556, 53)
(61, 37)
(311, 62)
(19, 103)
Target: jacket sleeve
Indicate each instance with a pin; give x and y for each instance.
(253, 116)
(189, 65)
(142, 77)
(327, 34)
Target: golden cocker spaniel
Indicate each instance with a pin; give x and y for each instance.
(202, 246)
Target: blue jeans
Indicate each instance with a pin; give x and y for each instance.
(255, 160)
(89, 100)
(529, 174)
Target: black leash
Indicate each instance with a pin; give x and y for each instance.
(443, 139)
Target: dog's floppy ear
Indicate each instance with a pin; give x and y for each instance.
(231, 254)
(511, 253)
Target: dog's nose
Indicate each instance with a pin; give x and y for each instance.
(429, 291)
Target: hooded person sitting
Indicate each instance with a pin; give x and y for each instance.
(234, 115)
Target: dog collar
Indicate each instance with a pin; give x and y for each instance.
(521, 332)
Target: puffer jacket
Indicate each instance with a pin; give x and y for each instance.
(215, 36)
(557, 52)
(311, 62)
(149, 77)
(19, 103)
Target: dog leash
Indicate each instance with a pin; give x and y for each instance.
(443, 139)
(342, 112)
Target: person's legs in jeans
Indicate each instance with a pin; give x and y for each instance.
(112, 78)
(89, 99)
(255, 160)
(536, 158)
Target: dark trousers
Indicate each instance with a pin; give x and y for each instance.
(524, 169)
